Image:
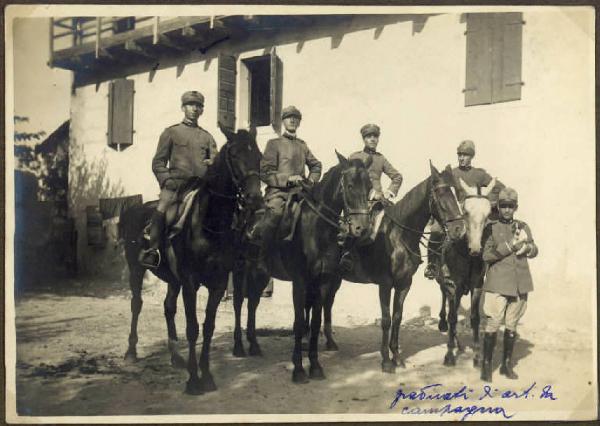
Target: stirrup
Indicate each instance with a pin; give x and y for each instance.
(431, 271)
(142, 258)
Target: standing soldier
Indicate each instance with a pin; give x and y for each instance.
(507, 245)
(184, 150)
(379, 165)
(282, 168)
(472, 176)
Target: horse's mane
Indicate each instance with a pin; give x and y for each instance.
(330, 175)
(410, 202)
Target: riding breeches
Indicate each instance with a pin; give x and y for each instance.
(496, 308)
(166, 199)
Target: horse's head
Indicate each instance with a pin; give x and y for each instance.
(445, 208)
(242, 157)
(353, 192)
(477, 208)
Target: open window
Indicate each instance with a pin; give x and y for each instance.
(494, 58)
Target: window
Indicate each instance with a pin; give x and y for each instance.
(260, 91)
(120, 114)
(122, 25)
(494, 57)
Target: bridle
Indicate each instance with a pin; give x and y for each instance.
(346, 213)
(434, 200)
(238, 182)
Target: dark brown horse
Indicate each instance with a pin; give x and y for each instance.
(393, 258)
(465, 270)
(310, 259)
(200, 254)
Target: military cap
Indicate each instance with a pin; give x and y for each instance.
(466, 147)
(370, 129)
(291, 111)
(192, 97)
(508, 195)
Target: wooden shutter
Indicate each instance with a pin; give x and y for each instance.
(226, 89)
(276, 91)
(120, 114)
(478, 82)
(508, 41)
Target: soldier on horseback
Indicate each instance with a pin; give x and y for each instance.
(282, 168)
(472, 176)
(378, 198)
(184, 150)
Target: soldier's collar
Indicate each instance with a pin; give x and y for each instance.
(369, 150)
(465, 168)
(290, 136)
(502, 220)
(189, 123)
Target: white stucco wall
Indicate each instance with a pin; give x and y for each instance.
(411, 85)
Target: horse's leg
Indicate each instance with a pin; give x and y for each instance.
(450, 358)
(136, 278)
(399, 296)
(307, 309)
(189, 302)
(316, 371)
(299, 296)
(239, 276)
(387, 366)
(254, 294)
(214, 298)
(327, 327)
(170, 309)
(443, 323)
(475, 299)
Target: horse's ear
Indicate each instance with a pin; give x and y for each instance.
(252, 131)
(228, 133)
(434, 171)
(343, 160)
(468, 189)
(485, 191)
(369, 161)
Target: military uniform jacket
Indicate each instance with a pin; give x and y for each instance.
(380, 165)
(474, 176)
(507, 274)
(283, 157)
(181, 152)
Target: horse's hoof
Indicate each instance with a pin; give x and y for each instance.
(207, 383)
(130, 356)
(449, 360)
(238, 351)
(316, 372)
(299, 376)
(399, 363)
(255, 350)
(461, 349)
(177, 361)
(193, 387)
(476, 363)
(388, 367)
(331, 346)
(443, 326)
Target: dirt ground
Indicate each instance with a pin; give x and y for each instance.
(70, 347)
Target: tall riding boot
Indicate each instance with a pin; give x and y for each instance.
(489, 342)
(347, 259)
(509, 343)
(150, 257)
(431, 271)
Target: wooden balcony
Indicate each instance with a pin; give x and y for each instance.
(90, 43)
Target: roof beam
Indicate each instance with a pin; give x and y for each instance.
(132, 46)
(164, 40)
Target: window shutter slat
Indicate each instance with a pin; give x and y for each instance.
(478, 88)
(510, 30)
(226, 90)
(276, 91)
(120, 114)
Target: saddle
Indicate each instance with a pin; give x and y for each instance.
(291, 214)
(177, 213)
